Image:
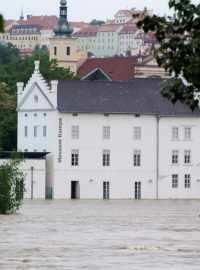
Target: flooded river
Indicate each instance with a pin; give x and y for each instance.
(107, 235)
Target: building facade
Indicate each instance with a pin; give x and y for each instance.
(116, 140)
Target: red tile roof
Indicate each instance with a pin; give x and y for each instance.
(47, 22)
(87, 32)
(109, 28)
(117, 68)
(129, 29)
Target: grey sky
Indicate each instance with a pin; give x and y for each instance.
(80, 10)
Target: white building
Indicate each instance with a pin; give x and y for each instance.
(117, 140)
(34, 169)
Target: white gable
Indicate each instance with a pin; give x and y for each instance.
(37, 95)
(35, 99)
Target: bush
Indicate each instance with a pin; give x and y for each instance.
(12, 185)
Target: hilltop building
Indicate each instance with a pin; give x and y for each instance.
(63, 46)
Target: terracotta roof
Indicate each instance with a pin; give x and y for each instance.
(109, 28)
(87, 32)
(46, 22)
(116, 68)
(129, 29)
(78, 24)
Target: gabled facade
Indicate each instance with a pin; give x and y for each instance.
(117, 140)
(108, 68)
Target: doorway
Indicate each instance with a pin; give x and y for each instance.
(75, 190)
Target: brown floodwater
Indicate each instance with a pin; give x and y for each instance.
(109, 234)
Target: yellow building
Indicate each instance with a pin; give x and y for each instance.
(63, 46)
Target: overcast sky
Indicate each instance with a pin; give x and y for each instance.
(80, 10)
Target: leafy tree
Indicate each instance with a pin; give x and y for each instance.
(179, 50)
(1, 23)
(7, 53)
(96, 22)
(12, 185)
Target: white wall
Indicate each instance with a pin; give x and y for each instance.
(121, 173)
(37, 175)
(166, 168)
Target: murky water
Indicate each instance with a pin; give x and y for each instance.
(102, 235)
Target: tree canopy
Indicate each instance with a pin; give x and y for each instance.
(96, 22)
(1, 23)
(179, 50)
(12, 185)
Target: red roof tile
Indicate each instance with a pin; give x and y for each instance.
(117, 68)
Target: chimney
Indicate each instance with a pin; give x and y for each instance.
(20, 88)
(53, 93)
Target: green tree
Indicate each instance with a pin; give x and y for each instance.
(96, 22)
(179, 50)
(7, 53)
(12, 185)
(1, 23)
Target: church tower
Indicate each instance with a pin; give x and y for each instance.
(63, 46)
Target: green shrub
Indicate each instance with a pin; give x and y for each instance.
(12, 185)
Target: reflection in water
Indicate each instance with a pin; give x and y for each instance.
(102, 235)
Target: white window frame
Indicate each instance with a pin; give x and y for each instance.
(35, 131)
(187, 180)
(44, 131)
(187, 133)
(175, 133)
(137, 158)
(106, 157)
(174, 180)
(137, 133)
(74, 157)
(187, 156)
(175, 157)
(75, 132)
(26, 131)
(106, 132)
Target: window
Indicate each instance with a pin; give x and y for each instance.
(74, 157)
(187, 156)
(44, 131)
(25, 150)
(25, 131)
(75, 132)
(136, 158)
(68, 50)
(106, 190)
(35, 114)
(187, 133)
(137, 133)
(55, 50)
(187, 180)
(35, 150)
(106, 132)
(35, 131)
(106, 157)
(175, 133)
(174, 180)
(174, 156)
